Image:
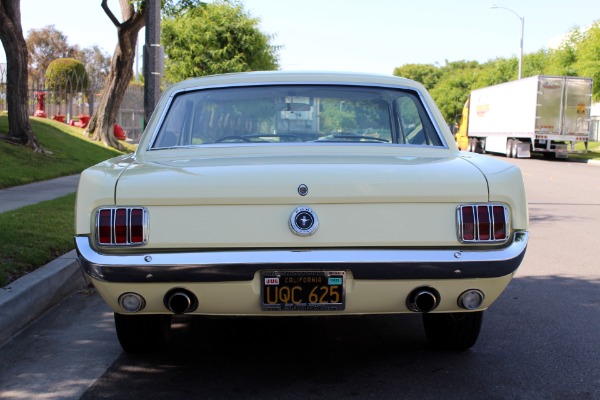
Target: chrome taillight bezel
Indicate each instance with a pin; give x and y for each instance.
(128, 240)
(477, 210)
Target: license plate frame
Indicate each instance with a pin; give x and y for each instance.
(303, 290)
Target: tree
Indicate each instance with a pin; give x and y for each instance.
(426, 74)
(457, 80)
(11, 35)
(215, 38)
(174, 8)
(561, 59)
(44, 45)
(101, 127)
(535, 63)
(497, 71)
(97, 64)
(587, 61)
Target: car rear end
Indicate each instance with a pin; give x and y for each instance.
(300, 194)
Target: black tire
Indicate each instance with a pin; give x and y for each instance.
(143, 333)
(478, 146)
(453, 331)
(515, 148)
(509, 148)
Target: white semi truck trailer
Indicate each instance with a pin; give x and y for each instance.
(545, 114)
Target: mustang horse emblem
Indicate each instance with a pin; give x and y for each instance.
(303, 221)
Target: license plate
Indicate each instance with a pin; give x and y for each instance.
(303, 290)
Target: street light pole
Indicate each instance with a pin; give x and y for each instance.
(522, 31)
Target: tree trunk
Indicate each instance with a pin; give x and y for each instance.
(101, 127)
(11, 35)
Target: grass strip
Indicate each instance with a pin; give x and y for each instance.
(34, 235)
(593, 152)
(71, 153)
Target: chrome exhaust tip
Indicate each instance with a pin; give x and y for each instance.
(423, 299)
(180, 301)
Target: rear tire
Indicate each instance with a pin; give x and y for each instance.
(515, 148)
(453, 331)
(143, 333)
(509, 148)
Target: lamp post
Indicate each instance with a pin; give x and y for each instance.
(522, 30)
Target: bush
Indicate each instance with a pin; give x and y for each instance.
(67, 74)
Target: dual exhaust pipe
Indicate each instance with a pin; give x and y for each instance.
(180, 301)
(423, 299)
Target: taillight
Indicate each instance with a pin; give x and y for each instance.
(104, 226)
(122, 226)
(482, 223)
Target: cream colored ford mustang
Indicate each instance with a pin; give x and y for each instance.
(285, 193)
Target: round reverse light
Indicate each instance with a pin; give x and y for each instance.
(471, 299)
(131, 302)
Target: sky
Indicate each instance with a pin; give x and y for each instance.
(359, 35)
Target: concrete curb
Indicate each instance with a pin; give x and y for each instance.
(29, 297)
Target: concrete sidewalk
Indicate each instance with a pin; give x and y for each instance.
(27, 298)
(20, 196)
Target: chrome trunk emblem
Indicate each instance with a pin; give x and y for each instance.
(303, 221)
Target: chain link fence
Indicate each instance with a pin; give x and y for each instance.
(68, 100)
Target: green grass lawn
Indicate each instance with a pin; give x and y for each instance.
(71, 153)
(593, 152)
(34, 235)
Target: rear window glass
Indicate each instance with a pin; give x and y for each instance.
(295, 114)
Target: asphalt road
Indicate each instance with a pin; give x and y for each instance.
(540, 340)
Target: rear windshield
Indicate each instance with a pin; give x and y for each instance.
(295, 114)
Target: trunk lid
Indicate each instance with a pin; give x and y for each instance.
(246, 201)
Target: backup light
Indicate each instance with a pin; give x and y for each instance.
(482, 223)
(471, 299)
(122, 226)
(132, 302)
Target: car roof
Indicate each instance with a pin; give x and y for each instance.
(299, 77)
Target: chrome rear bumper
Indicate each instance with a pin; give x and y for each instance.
(242, 265)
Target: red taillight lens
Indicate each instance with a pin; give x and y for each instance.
(500, 222)
(137, 225)
(122, 226)
(468, 222)
(483, 223)
(105, 226)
